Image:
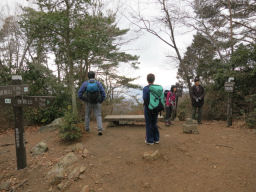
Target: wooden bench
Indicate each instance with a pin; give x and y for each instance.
(125, 119)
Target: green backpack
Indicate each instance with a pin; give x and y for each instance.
(156, 101)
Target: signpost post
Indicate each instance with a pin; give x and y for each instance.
(19, 124)
(229, 88)
(15, 96)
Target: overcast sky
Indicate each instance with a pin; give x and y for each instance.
(152, 52)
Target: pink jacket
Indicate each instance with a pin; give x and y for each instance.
(170, 99)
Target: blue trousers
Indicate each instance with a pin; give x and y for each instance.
(152, 133)
(97, 112)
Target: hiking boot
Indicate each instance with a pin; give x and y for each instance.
(100, 133)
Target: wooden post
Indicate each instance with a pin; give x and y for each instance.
(19, 133)
(229, 110)
(19, 138)
(229, 88)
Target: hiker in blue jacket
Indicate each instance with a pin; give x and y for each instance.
(93, 94)
(151, 116)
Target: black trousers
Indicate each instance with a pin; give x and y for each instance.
(168, 113)
(197, 110)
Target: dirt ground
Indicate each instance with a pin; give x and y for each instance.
(219, 159)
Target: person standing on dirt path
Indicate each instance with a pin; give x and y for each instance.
(197, 94)
(93, 94)
(170, 104)
(153, 97)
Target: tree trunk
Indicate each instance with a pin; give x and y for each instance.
(24, 53)
(70, 62)
(231, 27)
(174, 45)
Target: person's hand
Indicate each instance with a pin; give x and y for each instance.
(197, 99)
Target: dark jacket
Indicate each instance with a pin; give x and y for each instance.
(197, 96)
(146, 96)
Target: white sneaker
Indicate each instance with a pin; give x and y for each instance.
(148, 143)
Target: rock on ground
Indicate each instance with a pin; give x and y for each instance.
(151, 155)
(190, 126)
(39, 148)
(63, 185)
(74, 174)
(85, 153)
(68, 159)
(57, 173)
(85, 189)
(82, 169)
(5, 186)
(53, 125)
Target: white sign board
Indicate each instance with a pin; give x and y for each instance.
(7, 101)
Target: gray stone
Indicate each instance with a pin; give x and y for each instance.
(60, 186)
(85, 189)
(151, 155)
(56, 175)
(155, 155)
(85, 152)
(5, 185)
(82, 176)
(74, 174)
(146, 155)
(190, 127)
(68, 159)
(56, 124)
(39, 148)
(63, 185)
(82, 169)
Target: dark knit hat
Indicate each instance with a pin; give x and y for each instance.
(196, 79)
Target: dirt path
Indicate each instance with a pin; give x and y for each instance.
(219, 159)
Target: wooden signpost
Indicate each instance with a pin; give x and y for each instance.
(229, 88)
(15, 96)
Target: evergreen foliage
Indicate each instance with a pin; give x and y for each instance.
(69, 131)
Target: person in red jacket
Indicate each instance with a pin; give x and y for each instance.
(170, 104)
